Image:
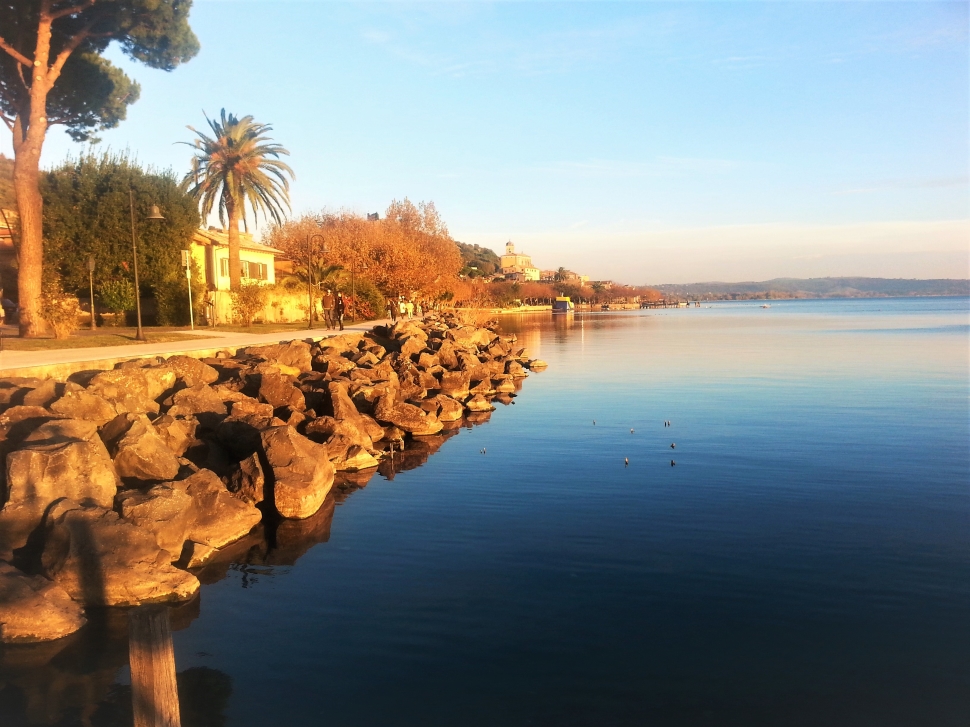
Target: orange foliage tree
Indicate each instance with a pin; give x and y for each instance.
(409, 252)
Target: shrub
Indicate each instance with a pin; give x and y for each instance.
(172, 299)
(59, 309)
(248, 301)
(117, 295)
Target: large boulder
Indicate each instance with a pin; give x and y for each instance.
(278, 390)
(192, 371)
(289, 353)
(247, 481)
(61, 458)
(133, 390)
(102, 560)
(220, 518)
(141, 454)
(196, 400)
(455, 384)
(165, 511)
(300, 471)
(344, 410)
(449, 410)
(406, 416)
(34, 608)
(84, 405)
(178, 434)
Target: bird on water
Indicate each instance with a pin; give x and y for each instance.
(483, 450)
(673, 446)
(672, 463)
(631, 431)
(626, 461)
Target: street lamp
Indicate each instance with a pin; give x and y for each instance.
(94, 325)
(187, 264)
(154, 215)
(309, 275)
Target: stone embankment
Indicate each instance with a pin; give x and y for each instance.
(118, 484)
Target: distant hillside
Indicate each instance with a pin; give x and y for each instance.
(818, 288)
(478, 260)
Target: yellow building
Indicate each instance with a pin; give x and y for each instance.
(210, 250)
(518, 264)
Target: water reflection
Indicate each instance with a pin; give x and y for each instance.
(81, 679)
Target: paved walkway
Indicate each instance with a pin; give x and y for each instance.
(209, 339)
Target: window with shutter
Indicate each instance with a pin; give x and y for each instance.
(224, 267)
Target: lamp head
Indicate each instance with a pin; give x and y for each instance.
(155, 213)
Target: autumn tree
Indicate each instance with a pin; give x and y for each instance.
(407, 252)
(52, 71)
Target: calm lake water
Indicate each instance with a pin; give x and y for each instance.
(806, 562)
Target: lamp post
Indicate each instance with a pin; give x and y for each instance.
(187, 264)
(94, 325)
(155, 215)
(309, 275)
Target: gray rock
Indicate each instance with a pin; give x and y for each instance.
(290, 353)
(133, 390)
(61, 458)
(191, 370)
(278, 390)
(141, 454)
(34, 608)
(300, 471)
(102, 560)
(84, 405)
(247, 481)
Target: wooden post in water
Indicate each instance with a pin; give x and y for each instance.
(154, 693)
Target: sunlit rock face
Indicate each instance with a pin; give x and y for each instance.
(300, 471)
(61, 458)
(32, 608)
(102, 560)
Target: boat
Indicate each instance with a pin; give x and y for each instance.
(563, 304)
(766, 306)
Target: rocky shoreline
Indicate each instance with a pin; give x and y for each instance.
(119, 486)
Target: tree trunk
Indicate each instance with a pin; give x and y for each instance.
(30, 129)
(235, 265)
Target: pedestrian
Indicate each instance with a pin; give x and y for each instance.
(338, 310)
(392, 310)
(410, 308)
(328, 303)
(418, 309)
(402, 307)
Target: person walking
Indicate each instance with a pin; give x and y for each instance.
(417, 309)
(402, 307)
(338, 310)
(410, 307)
(391, 310)
(328, 304)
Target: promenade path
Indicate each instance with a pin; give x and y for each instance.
(19, 363)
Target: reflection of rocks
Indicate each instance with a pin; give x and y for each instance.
(71, 681)
(199, 444)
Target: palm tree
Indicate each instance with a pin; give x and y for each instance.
(236, 165)
(560, 276)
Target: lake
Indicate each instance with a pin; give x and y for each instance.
(806, 561)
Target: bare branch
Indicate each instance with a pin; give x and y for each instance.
(7, 120)
(73, 10)
(15, 54)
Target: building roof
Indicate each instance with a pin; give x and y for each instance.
(220, 237)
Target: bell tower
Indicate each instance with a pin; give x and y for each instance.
(509, 248)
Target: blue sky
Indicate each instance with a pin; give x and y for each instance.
(638, 141)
